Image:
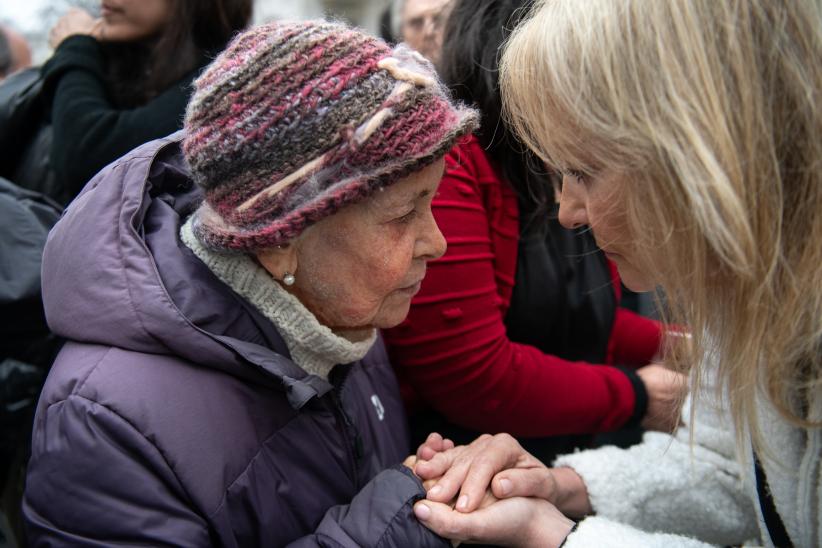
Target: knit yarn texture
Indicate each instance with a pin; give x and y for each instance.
(295, 120)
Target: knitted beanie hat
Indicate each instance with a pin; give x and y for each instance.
(295, 120)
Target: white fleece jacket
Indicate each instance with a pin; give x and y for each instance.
(668, 493)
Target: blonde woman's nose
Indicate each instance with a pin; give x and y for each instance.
(572, 211)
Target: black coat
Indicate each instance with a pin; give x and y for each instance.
(25, 135)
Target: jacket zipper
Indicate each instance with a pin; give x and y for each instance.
(353, 450)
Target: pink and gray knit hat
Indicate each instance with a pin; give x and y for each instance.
(295, 120)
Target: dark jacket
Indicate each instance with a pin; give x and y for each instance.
(27, 348)
(26, 134)
(174, 415)
(25, 219)
(89, 128)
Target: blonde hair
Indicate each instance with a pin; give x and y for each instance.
(713, 109)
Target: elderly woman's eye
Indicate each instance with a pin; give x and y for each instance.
(407, 217)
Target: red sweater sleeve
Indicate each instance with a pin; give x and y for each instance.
(453, 351)
(635, 339)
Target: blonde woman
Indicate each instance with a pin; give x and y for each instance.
(688, 136)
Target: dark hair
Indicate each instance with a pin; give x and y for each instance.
(469, 66)
(197, 29)
(385, 26)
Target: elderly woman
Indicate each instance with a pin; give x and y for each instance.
(688, 134)
(221, 289)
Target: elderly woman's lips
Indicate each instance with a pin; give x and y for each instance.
(411, 289)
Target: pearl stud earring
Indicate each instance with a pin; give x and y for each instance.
(289, 279)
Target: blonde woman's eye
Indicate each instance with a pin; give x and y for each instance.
(577, 174)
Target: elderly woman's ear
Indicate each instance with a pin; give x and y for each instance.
(280, 261)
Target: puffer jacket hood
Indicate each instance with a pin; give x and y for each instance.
(103, 285)
(174, 414)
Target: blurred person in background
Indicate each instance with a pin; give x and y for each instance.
(221, 290)
(518, 327)
(122, 79)
(15, 53)
(420, 23)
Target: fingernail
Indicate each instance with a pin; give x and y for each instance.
(435, 490)
(422, 512)
(504, 486)
(462, 503)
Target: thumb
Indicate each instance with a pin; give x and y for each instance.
(524, 482)
(443, 520)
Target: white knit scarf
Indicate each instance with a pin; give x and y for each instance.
(313, 346)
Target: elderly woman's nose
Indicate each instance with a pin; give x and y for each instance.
(572, 210)
(431, 244)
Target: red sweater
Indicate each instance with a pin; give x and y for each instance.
(452, 352)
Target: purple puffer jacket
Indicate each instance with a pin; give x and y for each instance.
(174, 416)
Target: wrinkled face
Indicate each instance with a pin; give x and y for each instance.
(597, 201)
(359, 268)
(133, 20)
(423, 22)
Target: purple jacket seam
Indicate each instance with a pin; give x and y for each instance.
(248, 465)
(93, 368)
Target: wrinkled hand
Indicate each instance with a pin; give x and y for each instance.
(512, 522)
(666, 392)
(75, 21)
(501, 463)
(469, 469)
(432, 445)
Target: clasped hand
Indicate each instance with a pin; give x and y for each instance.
(495, 492)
